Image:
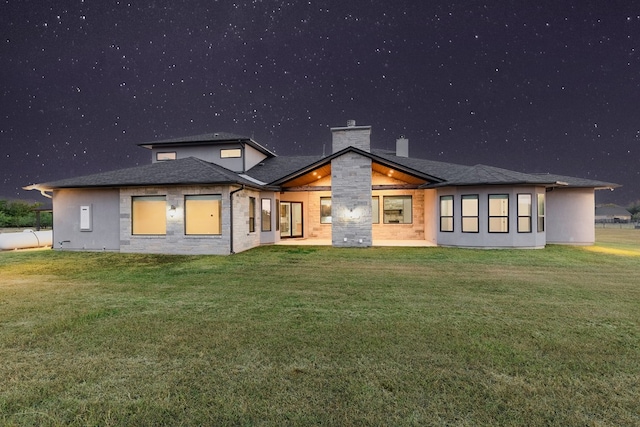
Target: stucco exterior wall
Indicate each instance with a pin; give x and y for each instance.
(175, 241)
(571, 216)
(104, 219)
(484, 239)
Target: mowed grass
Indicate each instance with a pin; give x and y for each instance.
(321, 336)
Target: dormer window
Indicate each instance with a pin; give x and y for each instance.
(228, 153)
(166, 155)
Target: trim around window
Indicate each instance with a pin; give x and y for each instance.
(266, 215)
(498, 213)
(325, 210)
(541, 212)
(397, 209)
(230, 153)
(252, 214)
(470, 213)
(203, 214)
(446, 214)
(149, 215)
(524, 213)
(162, 156)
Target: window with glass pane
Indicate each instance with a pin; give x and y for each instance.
(266, 214)
(162, 156)
(470, 221)
(227, 153)
(541, 213)
(325, 210)
(277, 210)
(252, 214)
(375, 210)
(203, 214)
(524, 213)
(446, 213)
(149, 215)
(397, 209)
(498, 213)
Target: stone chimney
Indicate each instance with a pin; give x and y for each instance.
(402, 147)
(351, 136)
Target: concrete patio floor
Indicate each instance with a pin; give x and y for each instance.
(327, 242)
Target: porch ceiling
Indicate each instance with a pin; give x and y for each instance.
(396, 174)
(325, 170)
(310, 177)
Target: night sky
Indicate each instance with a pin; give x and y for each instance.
(534, 86)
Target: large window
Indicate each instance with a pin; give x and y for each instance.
(541, 213)
(266, 214)
(498, 213)
(203, 214)
(446, 213)
(397, 209)
(524, 213)
(149, 215)
(470, 222)
(375, 210)
(325, 210)
(252, 214)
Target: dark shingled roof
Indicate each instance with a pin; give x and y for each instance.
(573, 181)
(274, 168)
(206, 138)
(174, 172)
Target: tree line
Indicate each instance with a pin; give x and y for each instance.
(19, 213)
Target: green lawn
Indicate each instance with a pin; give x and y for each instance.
(314, 335)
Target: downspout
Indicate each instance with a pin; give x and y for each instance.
(231, 218)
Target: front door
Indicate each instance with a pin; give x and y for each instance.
(290, 219)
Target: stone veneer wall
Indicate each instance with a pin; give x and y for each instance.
(175, 241)
(351, 201)
(242, 238)
(356, 136)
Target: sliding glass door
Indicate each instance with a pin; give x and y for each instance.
(290, 219)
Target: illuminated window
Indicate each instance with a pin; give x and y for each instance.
(375, 210)
(446, 213)
(524, 213)
(541, 213)
(169, 155)
(498, 213)
(266, 214)
(325, 210)
(149, 215)
(470, 222)
(227, 153)
(397, 209)
(203, 214)
(252, 214)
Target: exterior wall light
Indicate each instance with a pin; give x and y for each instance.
(172, 211)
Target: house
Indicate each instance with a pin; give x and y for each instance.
(615, 214)
(222, 193)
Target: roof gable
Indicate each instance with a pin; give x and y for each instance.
(301, 166)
